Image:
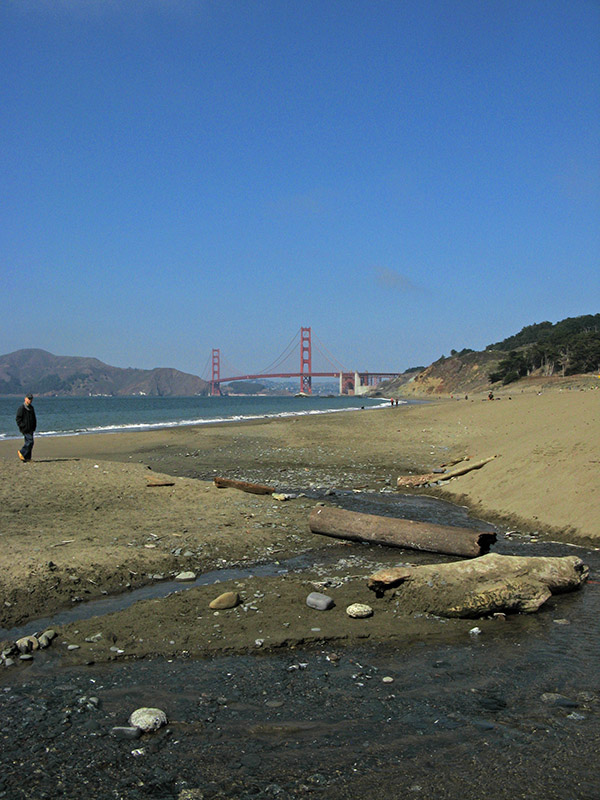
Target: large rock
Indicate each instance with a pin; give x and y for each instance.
(148, 719)
(225, 600)
(480, 586)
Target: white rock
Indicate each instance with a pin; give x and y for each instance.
(186, 576)
(27, 644)
(148, 719)
(359, 610)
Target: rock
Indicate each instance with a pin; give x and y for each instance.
(26, 657)
(475, 631)
(555, 699)
(185, 576)
(27, 643)
(43, 641)
(321, 602)
(225, 600)
(50, 634)
(123, 732)
(73, 647)
(359, 611)
(148, 719)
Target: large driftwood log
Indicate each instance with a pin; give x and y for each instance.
(482, 586)
(430, 477)
(244, 486)
(408, 533)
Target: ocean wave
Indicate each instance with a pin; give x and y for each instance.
(147, 426)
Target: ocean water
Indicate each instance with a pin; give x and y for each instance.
(69, 416)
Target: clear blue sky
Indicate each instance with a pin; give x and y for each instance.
(404, 176)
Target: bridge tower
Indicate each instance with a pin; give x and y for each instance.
(305, 361)
(215, 383)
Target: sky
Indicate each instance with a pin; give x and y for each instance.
(405, 177)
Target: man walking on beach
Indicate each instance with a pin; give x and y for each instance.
(27, 424)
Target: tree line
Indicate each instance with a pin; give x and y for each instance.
(569, 347)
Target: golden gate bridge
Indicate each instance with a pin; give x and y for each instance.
(350, 382)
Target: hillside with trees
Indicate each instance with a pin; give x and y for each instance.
(569, 347)
(539, 352)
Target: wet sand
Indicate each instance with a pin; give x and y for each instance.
(81, 520)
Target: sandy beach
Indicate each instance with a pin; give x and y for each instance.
(81, 521)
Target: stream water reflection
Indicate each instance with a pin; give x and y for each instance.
(511, 713)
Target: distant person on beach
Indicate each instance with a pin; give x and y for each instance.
(27, 423)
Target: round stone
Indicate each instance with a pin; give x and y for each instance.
(225, 600)
(359, 610)
(148, 719)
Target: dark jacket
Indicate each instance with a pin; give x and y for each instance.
(26, 419)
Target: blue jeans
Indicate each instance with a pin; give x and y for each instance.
(27, 447)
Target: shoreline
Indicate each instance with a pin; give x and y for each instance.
(544, 475)
(83, 519)
(146, 427)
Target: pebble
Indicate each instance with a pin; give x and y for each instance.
(225, 600)
(359, 611)
(561, 622)
(475, 631)
(321, 602)
(148, 719)
(185, 576)
(73, 647)
(387, 679)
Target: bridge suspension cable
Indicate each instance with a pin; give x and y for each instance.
(286, 353)
(327, 355)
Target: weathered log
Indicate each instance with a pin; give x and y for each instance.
(466, 468)
(431, 477)
(243, 486)
(396, 532)
(482, 586)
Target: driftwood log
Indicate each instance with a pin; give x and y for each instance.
(395, 532)
(243, 486)
(433, 477)
(482, 586)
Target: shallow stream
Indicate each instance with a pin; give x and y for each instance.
(511, 712)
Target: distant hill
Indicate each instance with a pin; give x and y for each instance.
(538, 353)
(43, 373)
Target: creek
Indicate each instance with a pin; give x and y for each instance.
(510, 713)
